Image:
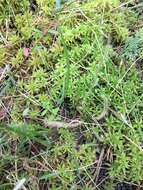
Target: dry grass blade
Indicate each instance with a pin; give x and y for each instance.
(132, 142)
(99, 165)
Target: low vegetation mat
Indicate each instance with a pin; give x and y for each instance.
(71, 94)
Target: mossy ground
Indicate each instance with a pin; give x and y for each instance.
(71, 94)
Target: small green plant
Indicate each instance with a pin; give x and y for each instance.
(133, 46)
(71, 100)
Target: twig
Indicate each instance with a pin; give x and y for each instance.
(99, 165)
(59, 124)
(96, 174)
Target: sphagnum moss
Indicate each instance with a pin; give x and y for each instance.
(79, 65)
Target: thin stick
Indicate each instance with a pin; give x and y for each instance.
(99, 165)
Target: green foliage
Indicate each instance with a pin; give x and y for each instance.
(81, 66)
(8, 9)
(16, 61)
(24, 24)
(46, 6)
(133, 46)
